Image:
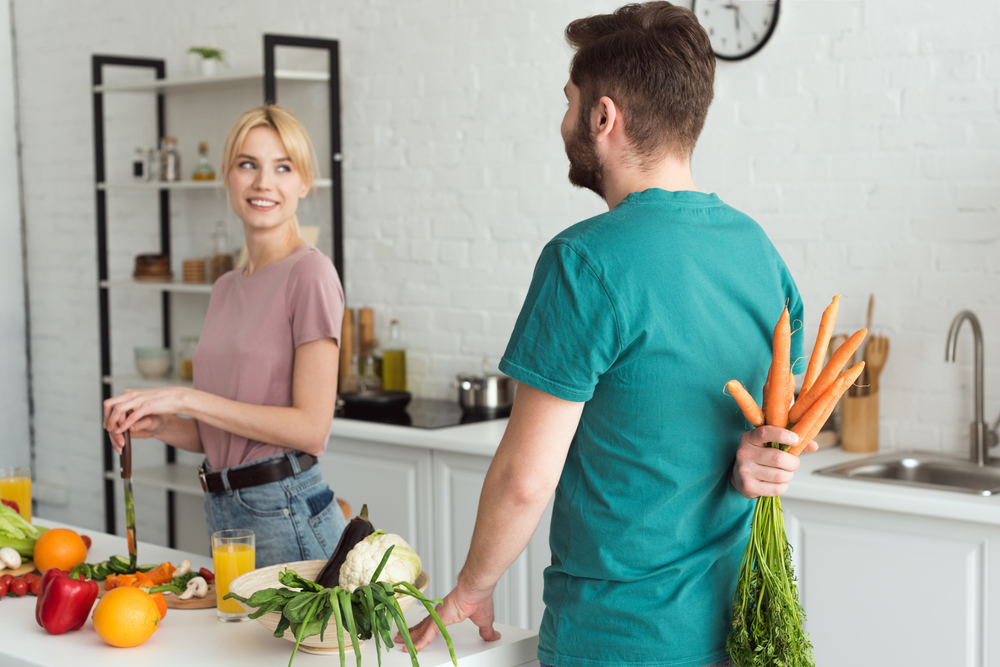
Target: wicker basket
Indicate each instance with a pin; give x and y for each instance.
(267, 577)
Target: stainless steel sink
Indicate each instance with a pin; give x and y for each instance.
(924, 469)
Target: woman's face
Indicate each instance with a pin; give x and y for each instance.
(264, 186)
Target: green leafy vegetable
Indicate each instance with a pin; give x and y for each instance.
(365, 613)
(17, 533)
(767, 614)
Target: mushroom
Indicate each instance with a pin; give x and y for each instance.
(183, 568)
(197, 587)
(10, 558)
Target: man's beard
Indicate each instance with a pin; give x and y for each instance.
(585, 169)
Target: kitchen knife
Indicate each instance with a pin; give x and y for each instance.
(126, 461)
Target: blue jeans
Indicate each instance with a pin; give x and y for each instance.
(296, 518)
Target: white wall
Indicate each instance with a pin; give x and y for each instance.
(865, 138)
(14, 444)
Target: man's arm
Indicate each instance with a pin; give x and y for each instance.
(522, 477)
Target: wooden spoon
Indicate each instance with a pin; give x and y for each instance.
(877, 353)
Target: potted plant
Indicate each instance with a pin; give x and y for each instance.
(208, 58)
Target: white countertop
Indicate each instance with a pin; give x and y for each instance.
(481, 438)
(195, 636)
(885, 497)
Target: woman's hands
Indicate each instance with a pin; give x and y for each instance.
(144, 411)
(761, 470)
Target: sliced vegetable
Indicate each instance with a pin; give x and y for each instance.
(9, 558)
(196, 587)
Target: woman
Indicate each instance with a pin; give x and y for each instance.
(265, 367)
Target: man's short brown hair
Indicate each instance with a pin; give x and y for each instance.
(654, 60)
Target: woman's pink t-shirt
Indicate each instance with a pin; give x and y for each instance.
(247, 348)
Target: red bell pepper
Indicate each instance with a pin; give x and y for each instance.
(64, 601)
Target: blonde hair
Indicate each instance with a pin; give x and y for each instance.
(291, 132)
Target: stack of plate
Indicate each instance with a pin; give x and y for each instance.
(152, 268)
(194, 271)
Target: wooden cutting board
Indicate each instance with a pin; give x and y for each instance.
(173, 602)
(26, 567)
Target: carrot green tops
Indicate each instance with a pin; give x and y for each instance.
(644, 313)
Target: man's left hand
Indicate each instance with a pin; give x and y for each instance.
(455, 608)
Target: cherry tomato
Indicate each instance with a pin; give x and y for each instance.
(31, 576)
(35, 586)
(206, 574)
(19, 587)
(6, 579)
(86, 541)
(3, 588)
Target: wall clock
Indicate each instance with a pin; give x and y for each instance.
(737, 28)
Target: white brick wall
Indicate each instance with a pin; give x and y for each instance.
(14, 446)
(865, 138)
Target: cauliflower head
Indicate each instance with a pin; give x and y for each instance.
(403, 565)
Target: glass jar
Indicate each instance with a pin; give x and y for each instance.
(188, 344)
(394, 361)
(139, 171)
(203, 170)
(170, 160)
(222, 260)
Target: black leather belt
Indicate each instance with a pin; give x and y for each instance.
(255, 475)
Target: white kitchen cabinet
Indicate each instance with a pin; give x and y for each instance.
(458, 480)
(394, 481)
(889, 588)
(431, 496)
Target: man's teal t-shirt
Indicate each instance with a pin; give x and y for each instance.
(645, 312)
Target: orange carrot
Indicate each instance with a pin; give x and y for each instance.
(812, 422)
(749, 406)
(767, 387)
(822, 343)
(791, 388)
(827, 376)
(778, 397)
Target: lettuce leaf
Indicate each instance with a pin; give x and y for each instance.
(13, 525)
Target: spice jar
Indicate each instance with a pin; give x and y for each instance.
(222, 260)
(188, 344)
(170, 160)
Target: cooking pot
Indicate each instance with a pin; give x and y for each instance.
(487, 392)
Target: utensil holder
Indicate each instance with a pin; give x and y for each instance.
(859, 423)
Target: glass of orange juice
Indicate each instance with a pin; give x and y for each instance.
(233, 553)
(15, 484)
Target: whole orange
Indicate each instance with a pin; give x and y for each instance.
(61, 548)
(126, 617)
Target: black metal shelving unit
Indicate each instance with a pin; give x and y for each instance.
(98, 63)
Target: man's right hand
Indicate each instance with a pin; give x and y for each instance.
(455, 608)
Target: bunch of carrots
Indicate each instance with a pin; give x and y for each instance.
(767, 614)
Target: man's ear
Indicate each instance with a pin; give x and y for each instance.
(605, 118)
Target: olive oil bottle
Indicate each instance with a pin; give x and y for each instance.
(394, 361)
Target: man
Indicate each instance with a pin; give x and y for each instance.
(634, 322)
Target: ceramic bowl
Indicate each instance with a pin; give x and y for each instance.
(267, 577)
(152, 362)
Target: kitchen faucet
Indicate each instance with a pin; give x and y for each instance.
(980, 437)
